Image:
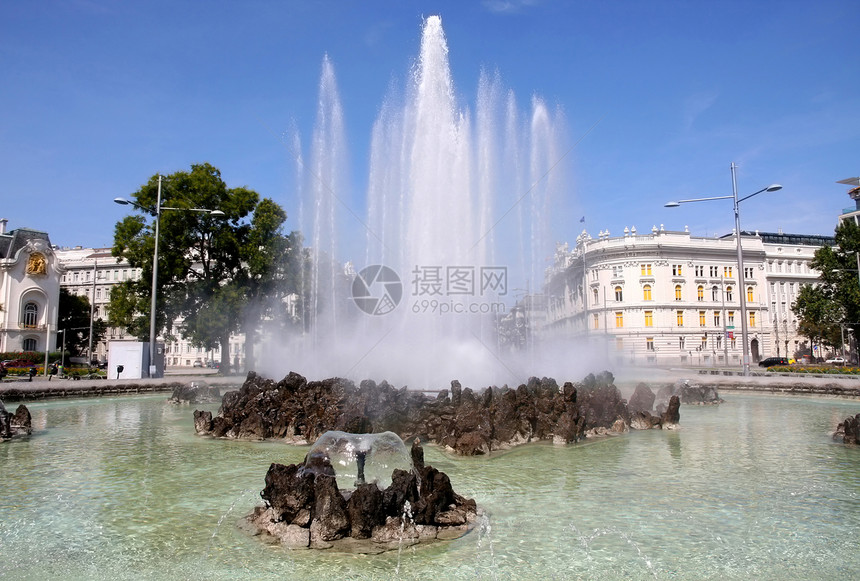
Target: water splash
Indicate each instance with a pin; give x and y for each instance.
(405, 518)
(585, 541)
(452, 190)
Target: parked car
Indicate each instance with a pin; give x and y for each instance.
(197, 364)
(772, 361)
(836, 361)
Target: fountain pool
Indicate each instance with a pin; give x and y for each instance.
(121, 488)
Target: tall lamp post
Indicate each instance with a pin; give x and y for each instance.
(156, 213)
(741, 281)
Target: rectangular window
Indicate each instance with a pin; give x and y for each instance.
(617, 271)
(646, 269)
(681, 343)
(716, 318)
(680, 318)
(748, 272)
(702, 318)
(700, 271)
(752, 319)
(596, 321)
(719, 341)
(730, 319)
(676, 270)
(727, 271)
(714, 271)
(649, 318)
(619, 319)
(649, 343)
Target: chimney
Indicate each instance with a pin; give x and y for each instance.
(3, 222)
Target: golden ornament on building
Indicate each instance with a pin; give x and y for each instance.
(37, 264)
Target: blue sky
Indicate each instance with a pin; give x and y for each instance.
(97, 96)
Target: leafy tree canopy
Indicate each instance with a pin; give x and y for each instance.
(836, 299)
(74, 317)
(210, 269)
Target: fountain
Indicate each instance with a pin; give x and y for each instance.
(119, 487)
(455, 229)
(390, 497)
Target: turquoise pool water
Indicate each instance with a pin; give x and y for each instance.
(121, 488)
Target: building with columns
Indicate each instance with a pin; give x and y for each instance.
(667, 297)
(93, 272)
(30, 275)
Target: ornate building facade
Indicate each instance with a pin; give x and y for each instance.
(670, 298)
(30, 275)
(93, 272)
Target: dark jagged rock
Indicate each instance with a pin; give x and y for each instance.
(645, 421)
(17, 424)
(848, 431)
(642, 399)
(672, 415)
(202, 422)
(468, 422)
(195, 392)
(403, 488)
(330, 518)
(689, 394)
(306, 509)
(365, 510)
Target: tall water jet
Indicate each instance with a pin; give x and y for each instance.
(327, 184)
(457, 212)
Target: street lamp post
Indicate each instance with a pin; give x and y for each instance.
(741, 282)
(156, 213)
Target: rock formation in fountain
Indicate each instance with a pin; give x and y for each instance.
(465, 421)
(848, 432)
(17, 424)
(195, 392)
(360, 493)
(695, 394)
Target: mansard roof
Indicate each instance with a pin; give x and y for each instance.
(15, 240)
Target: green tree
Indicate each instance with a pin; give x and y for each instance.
(819, 317)
(839, 280)
(209, 268)
(74, 316)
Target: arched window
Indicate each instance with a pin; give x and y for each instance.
(700, 293)
(749, 294)
(715, 293)
(646, 292)
(618, 294)
(31, 315)
(729, 293)
(29, 345)
(677, 292)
